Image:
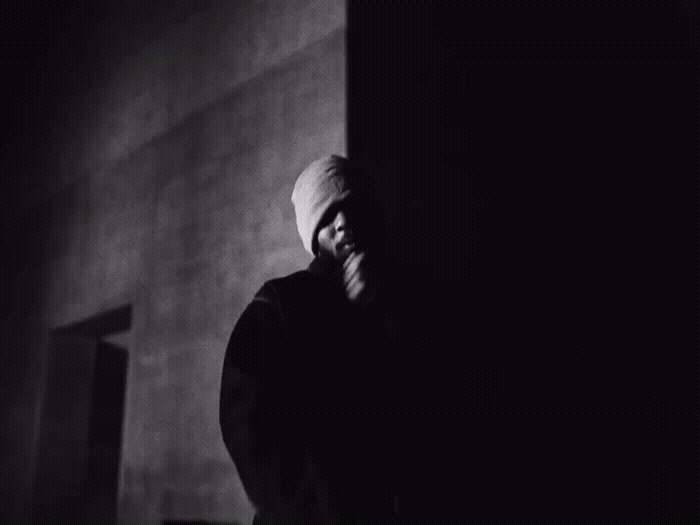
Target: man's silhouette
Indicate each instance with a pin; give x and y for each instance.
(310, 404)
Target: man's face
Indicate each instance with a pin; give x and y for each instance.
(337, 236)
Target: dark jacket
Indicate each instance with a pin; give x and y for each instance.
(313, 405)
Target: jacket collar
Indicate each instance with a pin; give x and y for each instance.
(323, 266)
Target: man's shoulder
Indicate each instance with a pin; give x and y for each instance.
(279, 287)
(295, 278)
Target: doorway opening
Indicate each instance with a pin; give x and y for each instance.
(80, 436)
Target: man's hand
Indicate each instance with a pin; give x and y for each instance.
(357, 278)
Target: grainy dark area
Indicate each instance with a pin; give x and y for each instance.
(534, 138)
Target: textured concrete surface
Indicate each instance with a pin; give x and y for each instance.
(192, 65)
(176, 198)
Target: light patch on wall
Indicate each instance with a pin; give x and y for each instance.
(275, 226)
(164, 300)
(171, 202)
(278, 258)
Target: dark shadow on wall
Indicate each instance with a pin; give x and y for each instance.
(102, 325)
(80, 436)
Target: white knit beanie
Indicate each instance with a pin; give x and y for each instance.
(324, 182)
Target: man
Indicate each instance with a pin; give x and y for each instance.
(310, 391)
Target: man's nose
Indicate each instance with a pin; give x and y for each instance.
(340, 221)
(341, 224)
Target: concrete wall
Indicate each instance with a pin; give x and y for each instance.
(173, 195)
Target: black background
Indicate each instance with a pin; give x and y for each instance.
(535, 155)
